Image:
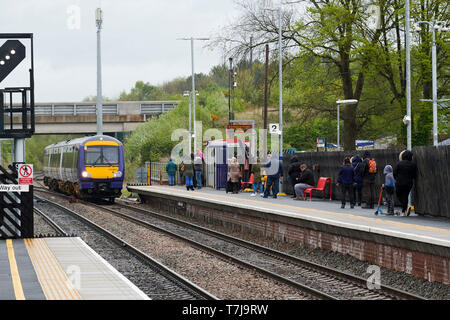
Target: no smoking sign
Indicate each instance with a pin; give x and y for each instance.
(25, 174)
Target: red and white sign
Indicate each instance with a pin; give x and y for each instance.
(25, 174)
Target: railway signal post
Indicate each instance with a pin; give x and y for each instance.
(17, 123)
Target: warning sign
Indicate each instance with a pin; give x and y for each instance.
(25, 174)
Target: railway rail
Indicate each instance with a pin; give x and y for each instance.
(153, 278)
(319, 281)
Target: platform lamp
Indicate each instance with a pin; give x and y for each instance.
(339, 102)
(191, 39)
(434, 25)
(98, 22)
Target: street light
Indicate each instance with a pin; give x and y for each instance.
(99, 21)
(187, 93)
(193, 79)
(339, 102)
(439, 26)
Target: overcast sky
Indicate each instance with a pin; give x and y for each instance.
(139, 42)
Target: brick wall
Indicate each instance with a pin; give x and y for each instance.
(425, 265)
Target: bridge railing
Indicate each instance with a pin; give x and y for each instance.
(73, 109)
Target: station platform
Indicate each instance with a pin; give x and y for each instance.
(59, 269)
(416, 244)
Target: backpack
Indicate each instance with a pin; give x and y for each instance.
(372, 166)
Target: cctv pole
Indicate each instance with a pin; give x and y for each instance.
(338, 145)
(98, 19)
(408, 76)
(434, 84)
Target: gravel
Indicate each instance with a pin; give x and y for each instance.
(347, 263)
(223, 279)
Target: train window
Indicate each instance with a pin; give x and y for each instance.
(103, 155)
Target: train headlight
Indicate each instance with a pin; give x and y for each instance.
(118, 174)
(85, 174)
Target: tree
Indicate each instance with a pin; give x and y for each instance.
(336, 31)
(143, 92)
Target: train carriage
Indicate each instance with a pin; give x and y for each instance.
(89, 167)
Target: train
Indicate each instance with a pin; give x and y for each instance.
(88, 168)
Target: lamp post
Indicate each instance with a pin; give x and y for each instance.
(187, 93)
(193, 81)
(407, 118)
(339, 102)
(99, 20)
(434, 25)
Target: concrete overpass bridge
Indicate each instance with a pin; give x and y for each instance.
(80, 117)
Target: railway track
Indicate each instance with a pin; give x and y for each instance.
(319, 281)
(152, 277)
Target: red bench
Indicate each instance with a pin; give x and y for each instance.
(249, 183)
(321, 184)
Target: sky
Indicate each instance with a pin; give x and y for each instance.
(138, 42)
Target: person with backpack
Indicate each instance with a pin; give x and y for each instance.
(389, 187)
(171, 169)
(405, 172)
(358, 185)
(368, 173)
(345, 180)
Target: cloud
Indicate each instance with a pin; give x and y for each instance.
(139, 42)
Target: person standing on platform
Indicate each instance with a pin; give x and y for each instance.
(305, 181)
(368, 174)
(294, 172)
(357, 187)
(405, 172)
(345, 180)
(257, 182)
(235, 174)
(274, 173)
(188, 173)
(389, 188)
(171, 169)
(198, 167)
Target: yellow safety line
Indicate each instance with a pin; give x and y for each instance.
(54, 281)
(343, 215)
(17, 284)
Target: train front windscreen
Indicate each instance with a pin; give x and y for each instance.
(101, 155)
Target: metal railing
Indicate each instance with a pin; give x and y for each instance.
(73, 109)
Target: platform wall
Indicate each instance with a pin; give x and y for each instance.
(431, 190)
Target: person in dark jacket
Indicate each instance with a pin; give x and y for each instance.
(171, 169)
(294, 172)
(358, 185)
(305, 181)
(405, 172)
(198, 167)
(257, 183)
(346, 180)
(188, 173)
(368, 174)
(274, 172)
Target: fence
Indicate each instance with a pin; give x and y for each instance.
(431, 189)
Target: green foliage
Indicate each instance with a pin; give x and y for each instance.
(152, 140)
(35, 146)
(143, 92)
(303, 136)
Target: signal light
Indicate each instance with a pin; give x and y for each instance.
(12, 52)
